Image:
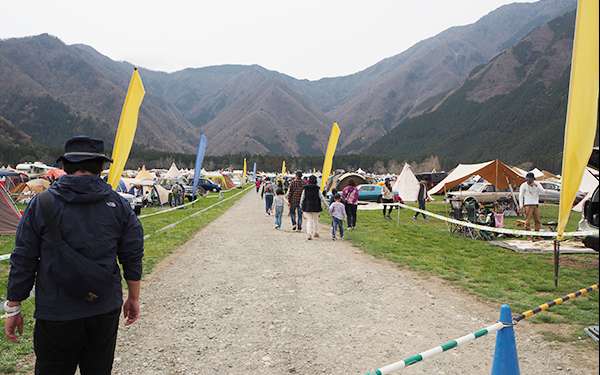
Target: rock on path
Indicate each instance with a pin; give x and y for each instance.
(242, 298)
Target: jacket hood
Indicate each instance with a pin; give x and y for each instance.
(81, 189)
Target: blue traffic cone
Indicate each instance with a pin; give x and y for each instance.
(506, 361)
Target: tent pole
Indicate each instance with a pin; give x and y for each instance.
(556, 261)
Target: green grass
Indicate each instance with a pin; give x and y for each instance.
(157, 247)
(494, 274)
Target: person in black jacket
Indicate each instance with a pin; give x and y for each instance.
(91, 225)
(312, 202)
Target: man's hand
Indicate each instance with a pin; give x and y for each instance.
(131, 307)
(13, 325)
(131, 311)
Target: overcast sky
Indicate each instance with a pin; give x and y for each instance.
(303, 38)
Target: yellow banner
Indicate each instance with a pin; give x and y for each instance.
(334, 136)
(126, 129)
(283, 170)
(582, 109)
(245, 169)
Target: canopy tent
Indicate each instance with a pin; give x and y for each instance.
(173, 173)
(494, 172)
(407, 185)
(9, 214)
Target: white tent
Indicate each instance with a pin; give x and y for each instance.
(173, 173)
(589, 183)
(407, 185)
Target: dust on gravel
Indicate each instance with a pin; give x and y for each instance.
(242, 298)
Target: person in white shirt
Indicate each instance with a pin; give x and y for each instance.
(529, 201)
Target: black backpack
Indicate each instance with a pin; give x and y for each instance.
(80, 277)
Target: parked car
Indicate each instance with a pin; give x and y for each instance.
(551, 193)
(136, 203)
(482, 192)
(590, 216)
(371, 193)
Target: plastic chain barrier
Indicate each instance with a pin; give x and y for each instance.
(515, 232)
(438, 349)
(180, 206)
(174, 224)
(558, 301)
(388, 369)
(169, 210)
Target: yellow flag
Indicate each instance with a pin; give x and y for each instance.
(334, 136)
(283, 170)
(126, 129)
(245, 170)
(582, 109)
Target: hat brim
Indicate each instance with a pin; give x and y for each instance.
(78, 157)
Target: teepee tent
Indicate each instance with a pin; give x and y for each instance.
(9, 214)
(495, 172)
(173, 173)
(143, 174)
(407, 185)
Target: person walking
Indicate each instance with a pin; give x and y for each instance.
(268, 193)
(350, 198)
(68, 243)
(422, 198)
(529, 201)
(337, 210)
(312, 202)
(257, 184)
(278, 204)
(387, 196)
(293, 196)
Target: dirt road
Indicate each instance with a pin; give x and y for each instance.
(242, 298)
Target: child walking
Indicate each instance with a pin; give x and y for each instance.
(338, 214)
(278, 204)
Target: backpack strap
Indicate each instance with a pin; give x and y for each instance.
(51, 219)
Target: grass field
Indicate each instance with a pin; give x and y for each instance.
(157, 247)
(489, 272)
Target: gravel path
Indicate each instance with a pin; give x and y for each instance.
(242, 298)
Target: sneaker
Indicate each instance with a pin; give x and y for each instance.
(342, 238)
(309, 238)
(299, 229)
(294, 227)
(333, 238)
(317, 235)
(414, 218)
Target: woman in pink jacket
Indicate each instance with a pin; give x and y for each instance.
(350, 198)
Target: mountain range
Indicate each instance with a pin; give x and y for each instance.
(512, 108)
(50, 91)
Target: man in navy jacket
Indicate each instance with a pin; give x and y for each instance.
(100, 225)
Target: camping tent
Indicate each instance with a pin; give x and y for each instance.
(29, 189)
(173, 173)
(407, 185)
(495, 172)
(340, 181)
(54, 174)
(9, 214)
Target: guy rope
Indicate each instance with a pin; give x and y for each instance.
(500, 325)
